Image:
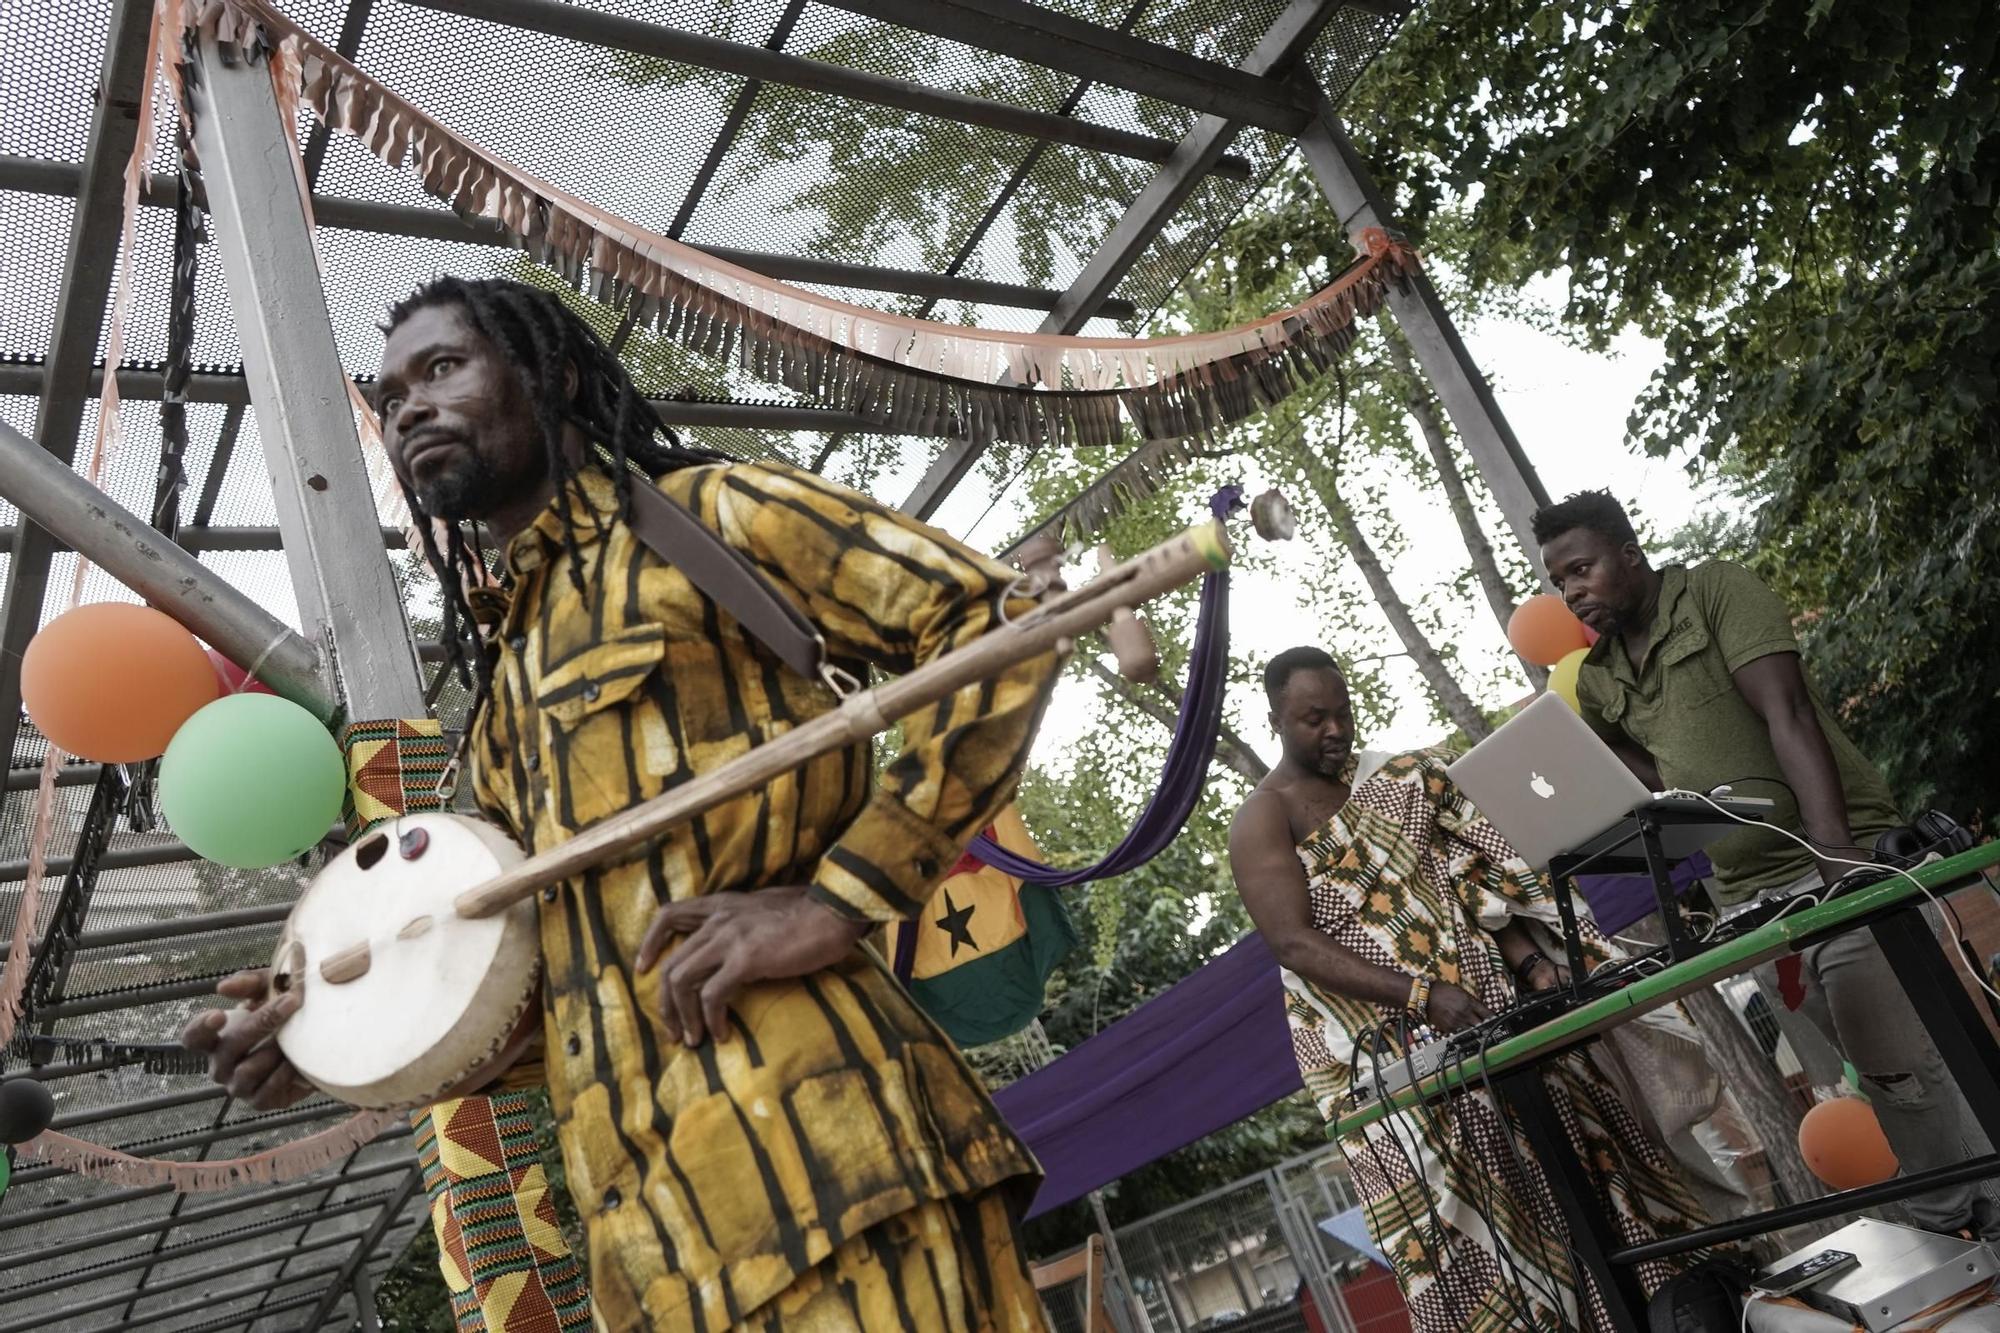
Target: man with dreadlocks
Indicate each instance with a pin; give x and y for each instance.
(760, 1129)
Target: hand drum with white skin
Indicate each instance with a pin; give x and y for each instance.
(434, 1000)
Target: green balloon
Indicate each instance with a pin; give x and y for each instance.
(252, 780)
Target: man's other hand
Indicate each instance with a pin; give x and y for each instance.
(1452, 1010)
(733, 940)
(241, 1055)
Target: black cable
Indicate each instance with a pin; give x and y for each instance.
(1374, 1037)
(1577, 1268)
(1512, 1288)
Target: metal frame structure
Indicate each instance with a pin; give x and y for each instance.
(356, 649)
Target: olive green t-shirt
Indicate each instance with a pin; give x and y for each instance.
(1683, 707)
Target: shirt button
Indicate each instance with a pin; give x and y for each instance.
(612, 1198)
(574, 1045)
(517, 643)
(534, 761)
(549, 894)
(590, 691)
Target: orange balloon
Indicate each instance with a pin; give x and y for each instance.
(112, 682)
(1842, 1143)
(1544, 630)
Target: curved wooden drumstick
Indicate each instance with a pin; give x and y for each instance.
(1053, 625)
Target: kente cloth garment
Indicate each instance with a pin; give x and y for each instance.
(978, 958)
(710, 1180)
(393, 768)
(1410, 876)
(506, 1265)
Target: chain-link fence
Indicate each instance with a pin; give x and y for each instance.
(1251, 1257)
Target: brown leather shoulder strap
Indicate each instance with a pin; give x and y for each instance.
(726, 576)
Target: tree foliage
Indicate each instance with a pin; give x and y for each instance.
(1797, 198)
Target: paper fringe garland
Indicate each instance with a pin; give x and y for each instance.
(901, 374)
(289, 1161)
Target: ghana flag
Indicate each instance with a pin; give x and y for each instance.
(984, 946)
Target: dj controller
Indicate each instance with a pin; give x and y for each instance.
(1388, 1070)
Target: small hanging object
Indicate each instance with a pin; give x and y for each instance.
(1271, 514)
(1131, 642)
(25, 1109)
(1040, 560)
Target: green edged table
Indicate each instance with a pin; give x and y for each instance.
(1890, 908)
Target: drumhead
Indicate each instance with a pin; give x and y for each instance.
(440, 995)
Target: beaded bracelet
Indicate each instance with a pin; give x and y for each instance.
(1419, 1002)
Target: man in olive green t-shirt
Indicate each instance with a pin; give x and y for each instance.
(1695, 681)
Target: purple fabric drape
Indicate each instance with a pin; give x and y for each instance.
(1185, 772)
(1201, 1055)
(1206, 1052)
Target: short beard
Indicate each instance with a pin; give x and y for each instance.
(470, 490)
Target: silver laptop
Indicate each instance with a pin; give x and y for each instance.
(1547, 782)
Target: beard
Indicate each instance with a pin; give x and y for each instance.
(468, 487)
(1320, 764)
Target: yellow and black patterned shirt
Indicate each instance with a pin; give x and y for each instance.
(710, 1178)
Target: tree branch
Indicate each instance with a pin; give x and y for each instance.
(1229, 747)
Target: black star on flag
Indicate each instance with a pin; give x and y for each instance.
(955, 921)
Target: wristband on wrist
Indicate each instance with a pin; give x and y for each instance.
(1527, 965)
(1419, 1002)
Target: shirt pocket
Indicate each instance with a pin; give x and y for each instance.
(590, 738)
(1692, 673)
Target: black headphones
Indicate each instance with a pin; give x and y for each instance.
(1931, 831)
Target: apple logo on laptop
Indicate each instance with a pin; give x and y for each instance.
(1541, 786)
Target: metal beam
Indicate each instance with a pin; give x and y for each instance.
(196, 540)
(661, 41)
(166, 1101)
(69, 775)
(363, 1289)
(115, 858)
(235, 1204)
(732, 124)
(95, 224)
(208, 1302)
(324, 498)
(353, 24)
(157, 932)
(1280, 50)
(1464, 391)
(218, 461)
(23, 377)
(373, 1237)
(211, 1301)
(159, 992)
(40, 176)
(95, 1202)
(128, 548)
(1043, 36)
(93, 1272)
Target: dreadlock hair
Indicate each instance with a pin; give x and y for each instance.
(544, 339)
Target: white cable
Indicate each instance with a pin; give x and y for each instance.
(1957, 944)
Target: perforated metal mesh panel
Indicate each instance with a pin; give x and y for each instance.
(805, 174)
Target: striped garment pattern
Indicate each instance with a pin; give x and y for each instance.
(714, 1180)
